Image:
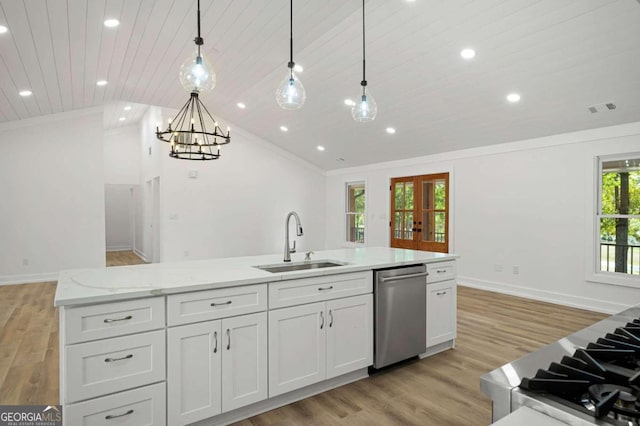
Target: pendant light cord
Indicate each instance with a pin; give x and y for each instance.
(199, 40)
(291, 63)
(364, 79)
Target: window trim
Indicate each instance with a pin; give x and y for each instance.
(594, 274)
(345, 212)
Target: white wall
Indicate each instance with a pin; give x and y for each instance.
(238, 203)
(527, 204)
(52, 196)
(122, 175)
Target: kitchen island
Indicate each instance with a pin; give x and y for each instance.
(215, 341)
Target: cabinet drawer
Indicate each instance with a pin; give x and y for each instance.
(214, 304)
(317, 289)
(139, 407)
(111, 365)
(441, 272)
(94, 322)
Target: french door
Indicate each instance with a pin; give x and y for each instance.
(420, 212)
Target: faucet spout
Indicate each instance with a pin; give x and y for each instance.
(288, 249)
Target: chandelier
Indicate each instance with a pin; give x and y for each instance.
(194, 134)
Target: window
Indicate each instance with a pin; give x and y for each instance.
(355, 212)
(618, 216)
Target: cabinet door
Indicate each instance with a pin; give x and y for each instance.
(297, 346)
(194, 372)
(244, 360)
(441, 312)
(349, 334)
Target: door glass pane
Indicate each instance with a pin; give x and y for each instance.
(408, 197)
(427, 195)
(397, 225)
(440, 194)
(408, 226)
(434, 227)
(621, 187)
(399, 196)
(620, 245)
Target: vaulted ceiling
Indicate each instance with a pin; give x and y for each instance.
(561, 56)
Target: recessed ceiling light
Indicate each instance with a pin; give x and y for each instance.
(127, 108)
(284, 128)
(25, 93)
(241, 105)
(349, 102)
(298, 68)
(3, 29)
(101, 83)
(320, 148)
(513, 97)
(390, 130)
(111, 23)
(468, 53)
(122, 118)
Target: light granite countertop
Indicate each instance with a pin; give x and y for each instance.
(86, 286)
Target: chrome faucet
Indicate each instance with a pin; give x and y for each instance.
(287, 249)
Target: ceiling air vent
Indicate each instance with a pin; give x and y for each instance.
(603, 107)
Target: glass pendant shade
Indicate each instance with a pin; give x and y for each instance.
(197, 74)
(365, 109)
(291, 93)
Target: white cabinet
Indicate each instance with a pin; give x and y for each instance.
(314, 342)
(216, 366)
(441, 306)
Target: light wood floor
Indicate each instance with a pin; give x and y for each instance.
(493, 329)
(122, 258)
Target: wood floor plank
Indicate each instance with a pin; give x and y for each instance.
(444, 389)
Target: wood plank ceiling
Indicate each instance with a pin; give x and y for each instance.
(560, 55)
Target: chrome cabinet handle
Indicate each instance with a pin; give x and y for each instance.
(228, 337)
(441, 293)
(215, 337)
(440, 271)
(228, 302)
(322, 318)
(331, 318)
(118, 359)
(325, 288)
(110, 416)
(110, 320)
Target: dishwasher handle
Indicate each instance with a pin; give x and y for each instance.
(403, 277)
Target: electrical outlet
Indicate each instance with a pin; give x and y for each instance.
(516, 269)
(186, 253)
(25, 262)
(497, 267)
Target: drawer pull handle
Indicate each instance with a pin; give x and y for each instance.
(110, 320)
(325, 288)
(118, 359)
(215, 337)
(322, 318)
(441, 293)
(228, 302)
(109, 417)
(228, 337)
(331, 318)
(441, 271)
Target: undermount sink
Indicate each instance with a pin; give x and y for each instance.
(300, 266)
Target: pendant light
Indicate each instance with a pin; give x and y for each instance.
(196, 72)
(194, 134)
(291, 93)
(365, 108)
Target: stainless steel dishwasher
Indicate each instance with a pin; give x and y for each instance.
(400, 310)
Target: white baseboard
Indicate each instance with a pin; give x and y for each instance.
(28, 278)
(120, 248)
(140, 255)
(544, 295)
